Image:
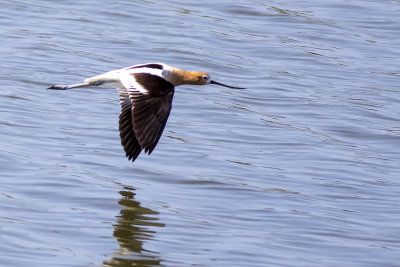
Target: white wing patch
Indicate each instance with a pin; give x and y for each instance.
(128, 80)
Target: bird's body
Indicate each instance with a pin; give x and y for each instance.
(146, 93)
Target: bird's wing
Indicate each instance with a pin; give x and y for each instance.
(128, 139)
(147, 98)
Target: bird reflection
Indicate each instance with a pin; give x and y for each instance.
(133, 227)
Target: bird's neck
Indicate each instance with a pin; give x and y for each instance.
(178, 77)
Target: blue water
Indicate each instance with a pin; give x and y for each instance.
(300, 169)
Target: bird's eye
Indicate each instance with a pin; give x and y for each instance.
(206, 77)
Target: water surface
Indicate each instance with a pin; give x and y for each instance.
(300, 169)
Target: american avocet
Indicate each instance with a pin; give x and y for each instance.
(145, 93)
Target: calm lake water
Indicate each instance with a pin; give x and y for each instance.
(300, 169)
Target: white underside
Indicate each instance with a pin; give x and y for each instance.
(123, 78)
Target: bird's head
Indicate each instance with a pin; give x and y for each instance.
(203, 78)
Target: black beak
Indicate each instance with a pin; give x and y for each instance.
(221, 84)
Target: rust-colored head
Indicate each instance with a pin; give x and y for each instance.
(179, 77)
(197, 77)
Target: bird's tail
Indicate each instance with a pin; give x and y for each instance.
(66, 87)
(109, 78)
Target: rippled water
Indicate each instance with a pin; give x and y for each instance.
(301, 169)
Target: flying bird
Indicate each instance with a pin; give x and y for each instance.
(145, 93)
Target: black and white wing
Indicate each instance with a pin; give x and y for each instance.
(146, 101)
